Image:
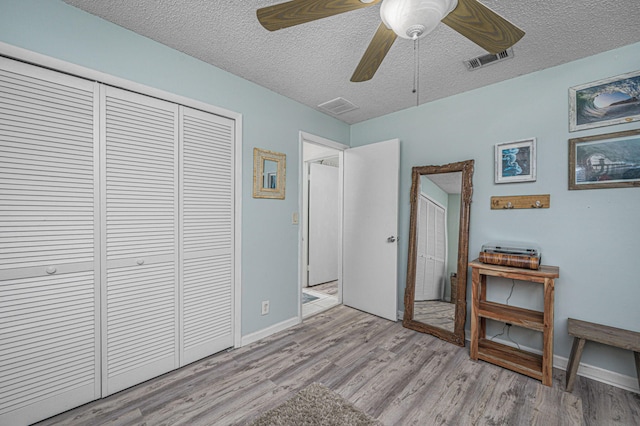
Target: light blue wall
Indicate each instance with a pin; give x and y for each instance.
(270, 121)
(592, 235)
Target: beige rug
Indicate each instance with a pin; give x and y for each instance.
(315, 405)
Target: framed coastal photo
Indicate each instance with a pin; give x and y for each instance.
(611, 160)
(515, 161)
(605, 102)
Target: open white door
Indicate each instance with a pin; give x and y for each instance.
(370, 263)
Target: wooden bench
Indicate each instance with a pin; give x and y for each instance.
(583, 331)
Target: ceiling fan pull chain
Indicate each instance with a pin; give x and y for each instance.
(416, 69)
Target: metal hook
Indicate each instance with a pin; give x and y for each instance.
(509, 205)
(537, 205)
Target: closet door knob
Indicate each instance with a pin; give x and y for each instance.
(140, 261)
(51, 270)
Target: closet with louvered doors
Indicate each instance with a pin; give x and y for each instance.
(168, 236)
(116, 239)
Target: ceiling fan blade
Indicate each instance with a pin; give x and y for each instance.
(298, 12)
(483, 26)
(378, 47)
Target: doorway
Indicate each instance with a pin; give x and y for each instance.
(367, 227)
(321, 287)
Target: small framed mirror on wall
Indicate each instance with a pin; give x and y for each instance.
(269, 174)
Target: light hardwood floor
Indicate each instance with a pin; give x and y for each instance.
(394, 374)
(330, 288)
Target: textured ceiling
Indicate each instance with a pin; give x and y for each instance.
(451, 183)
(312, 63)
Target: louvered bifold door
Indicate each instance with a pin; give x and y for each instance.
(139, 137)
(421, 261)
(207, 234)
(49, 346)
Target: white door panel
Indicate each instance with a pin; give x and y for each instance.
(140, 244)
(324, 216)
(370, 220)
(207, 227)
(49, 346)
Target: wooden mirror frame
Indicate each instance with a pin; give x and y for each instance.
(457, 337)
(259, 157)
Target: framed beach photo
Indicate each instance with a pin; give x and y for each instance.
(515, 161)
(611, 160)
(605, 102)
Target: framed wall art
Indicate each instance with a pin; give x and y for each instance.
(611, 160)
(605, 102)
(515, 161)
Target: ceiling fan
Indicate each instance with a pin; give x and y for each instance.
(409, 19)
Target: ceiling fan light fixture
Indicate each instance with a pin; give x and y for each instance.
(411, 19)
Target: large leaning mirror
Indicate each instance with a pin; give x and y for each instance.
(435, 294)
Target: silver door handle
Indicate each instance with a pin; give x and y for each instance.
(391, 239)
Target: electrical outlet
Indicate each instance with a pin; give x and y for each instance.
(265, 307)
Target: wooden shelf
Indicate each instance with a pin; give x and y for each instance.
(514, 359)
(539, 367)
(533, 320)
(533, 275)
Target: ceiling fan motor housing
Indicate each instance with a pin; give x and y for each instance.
(411, 19)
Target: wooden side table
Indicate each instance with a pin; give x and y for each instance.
(527, 363)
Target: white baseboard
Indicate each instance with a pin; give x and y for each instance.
(266, 332)
(609, 377)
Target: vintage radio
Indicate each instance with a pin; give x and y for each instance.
(518, 255)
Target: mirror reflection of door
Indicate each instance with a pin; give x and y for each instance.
(432, 250)
(270, 174)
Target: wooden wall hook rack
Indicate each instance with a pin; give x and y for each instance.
(542, 201)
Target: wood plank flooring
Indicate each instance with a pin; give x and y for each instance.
(396, 375)
(330, 288)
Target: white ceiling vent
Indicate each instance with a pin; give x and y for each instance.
(337, 106)
(484, 60)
